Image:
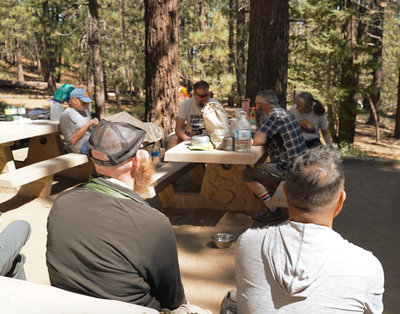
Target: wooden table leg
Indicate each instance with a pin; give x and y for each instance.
(6, 158)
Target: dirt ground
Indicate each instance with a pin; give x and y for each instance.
(369, 219)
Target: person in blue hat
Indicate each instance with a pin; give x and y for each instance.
(76, 122)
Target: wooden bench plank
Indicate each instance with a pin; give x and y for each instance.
(169, 173)
(166, 175)
(41, 169)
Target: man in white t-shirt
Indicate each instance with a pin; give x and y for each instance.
(189, 121)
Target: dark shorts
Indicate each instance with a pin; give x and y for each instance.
(269, 175)
(313, 143)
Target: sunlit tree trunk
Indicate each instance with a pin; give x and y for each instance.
(19, 62)
(100, 106)
(161, 64)
(241, 39)
(397, 125)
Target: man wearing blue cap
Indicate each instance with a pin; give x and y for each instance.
(76, 120)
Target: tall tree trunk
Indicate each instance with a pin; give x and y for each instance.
(19, 62)
(397, 125)
(37, 52)
(349, 81)
(48, 52)
(241, 39)
(202, 20)
(267, 63)
(161, 64)
(377, 40)
(231, 37)
(100, 105)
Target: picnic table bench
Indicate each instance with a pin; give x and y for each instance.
(45, 158)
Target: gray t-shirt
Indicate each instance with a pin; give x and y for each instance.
(305, 268)
(71, 121)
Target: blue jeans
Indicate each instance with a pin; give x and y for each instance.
(12, 239)
(84, 150)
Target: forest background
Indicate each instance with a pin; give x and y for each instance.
(345, 52)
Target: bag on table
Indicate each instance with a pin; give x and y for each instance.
(216, 123)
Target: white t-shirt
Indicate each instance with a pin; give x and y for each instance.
(310, 123)
(191, 113)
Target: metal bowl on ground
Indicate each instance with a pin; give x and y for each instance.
(223, 240)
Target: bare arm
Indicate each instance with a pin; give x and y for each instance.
(78, 134)
(180, 129)
(326, 136)
(259, 139)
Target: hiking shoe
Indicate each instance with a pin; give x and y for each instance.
(267, 215)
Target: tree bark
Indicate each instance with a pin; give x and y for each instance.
(100, 104)
(397, 125)
(267, 63)
(349, 81)
(161, 64)
(241, 39)
(202, 20)
(20, 68)
(377, 40)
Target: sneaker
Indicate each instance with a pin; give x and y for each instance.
(267, 216)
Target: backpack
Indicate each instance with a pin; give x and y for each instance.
(63, 92)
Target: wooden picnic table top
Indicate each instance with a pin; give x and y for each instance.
(182, 153)
(13, 130)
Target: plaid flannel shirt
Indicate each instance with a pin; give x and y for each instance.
(285, 140)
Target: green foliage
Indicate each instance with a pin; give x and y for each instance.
(350, 150)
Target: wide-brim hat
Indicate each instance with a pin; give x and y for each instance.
(153, 131)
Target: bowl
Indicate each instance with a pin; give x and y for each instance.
(223, 240)
(200, 140)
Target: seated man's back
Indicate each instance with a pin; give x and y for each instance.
(302, 265)
(305, 268)
(103, 239)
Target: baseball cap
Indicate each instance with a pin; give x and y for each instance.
(81, 94)
(119, 141)
(153, 131)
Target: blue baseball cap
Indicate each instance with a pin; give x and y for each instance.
(81, 94)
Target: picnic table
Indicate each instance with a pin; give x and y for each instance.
(222, 187)
(45, 156)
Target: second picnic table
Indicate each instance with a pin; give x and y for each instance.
(222, 186)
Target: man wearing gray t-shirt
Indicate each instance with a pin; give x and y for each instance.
(302, 265)
(76, 120)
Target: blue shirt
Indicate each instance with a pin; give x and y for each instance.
(285, 140)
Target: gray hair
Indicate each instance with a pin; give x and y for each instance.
(315, 179)
(269, 96)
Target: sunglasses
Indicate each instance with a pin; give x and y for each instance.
(203, 96)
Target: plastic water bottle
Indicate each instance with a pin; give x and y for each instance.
(56, 111)
(243, 134)
(253, 120)
(156, 153)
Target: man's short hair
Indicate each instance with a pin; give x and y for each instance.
(315, 179)
(201, 84)
(269, 96)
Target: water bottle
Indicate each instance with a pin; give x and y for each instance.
(156, 153)
(253, 120)
(243, 134)
(21, 111)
